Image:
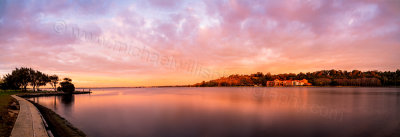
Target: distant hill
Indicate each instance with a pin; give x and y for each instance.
(317, 78)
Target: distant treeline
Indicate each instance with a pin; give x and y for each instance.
(318, 78)
(21, 78)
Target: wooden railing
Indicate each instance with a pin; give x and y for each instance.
(83, 89)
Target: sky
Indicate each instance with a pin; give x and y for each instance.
(100, 43)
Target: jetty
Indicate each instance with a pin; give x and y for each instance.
(40, 94)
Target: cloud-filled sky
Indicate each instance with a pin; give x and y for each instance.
(158, 42)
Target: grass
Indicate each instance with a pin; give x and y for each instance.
(6, 120)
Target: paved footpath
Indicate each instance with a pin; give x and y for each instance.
(29, 122)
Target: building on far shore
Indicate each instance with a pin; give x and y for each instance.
(278, 82)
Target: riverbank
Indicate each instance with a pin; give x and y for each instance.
(9, 109)
(59, 126)
(289, 86)
(29, 122)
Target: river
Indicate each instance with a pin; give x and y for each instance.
(232, 111)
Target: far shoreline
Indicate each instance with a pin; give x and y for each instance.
(248, 87)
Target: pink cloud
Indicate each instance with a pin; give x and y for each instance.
(234, 36)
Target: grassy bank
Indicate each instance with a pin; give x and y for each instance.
(8, 111)
(58, 125)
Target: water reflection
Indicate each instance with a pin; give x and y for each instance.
(68, 99)
(64, 102)
(242, 112)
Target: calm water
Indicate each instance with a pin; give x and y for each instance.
(234, 112)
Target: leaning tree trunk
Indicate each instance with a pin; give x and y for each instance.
(55, 87)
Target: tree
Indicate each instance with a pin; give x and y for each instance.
(323, 77)
(34, 79)
(54, 81)
(19, 78)
(43, 80)
(67, 80)
(38, 79)
(322, 81)
(23, 76)
(67, 86)
(10, 82)
(2, 83)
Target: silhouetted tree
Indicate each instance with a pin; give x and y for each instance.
(54, 81)
(10, 82)
(38, 79)
(43, 80)
(19, 78)
(67, 86)
(22, 76)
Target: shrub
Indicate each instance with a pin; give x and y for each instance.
(67, 86)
